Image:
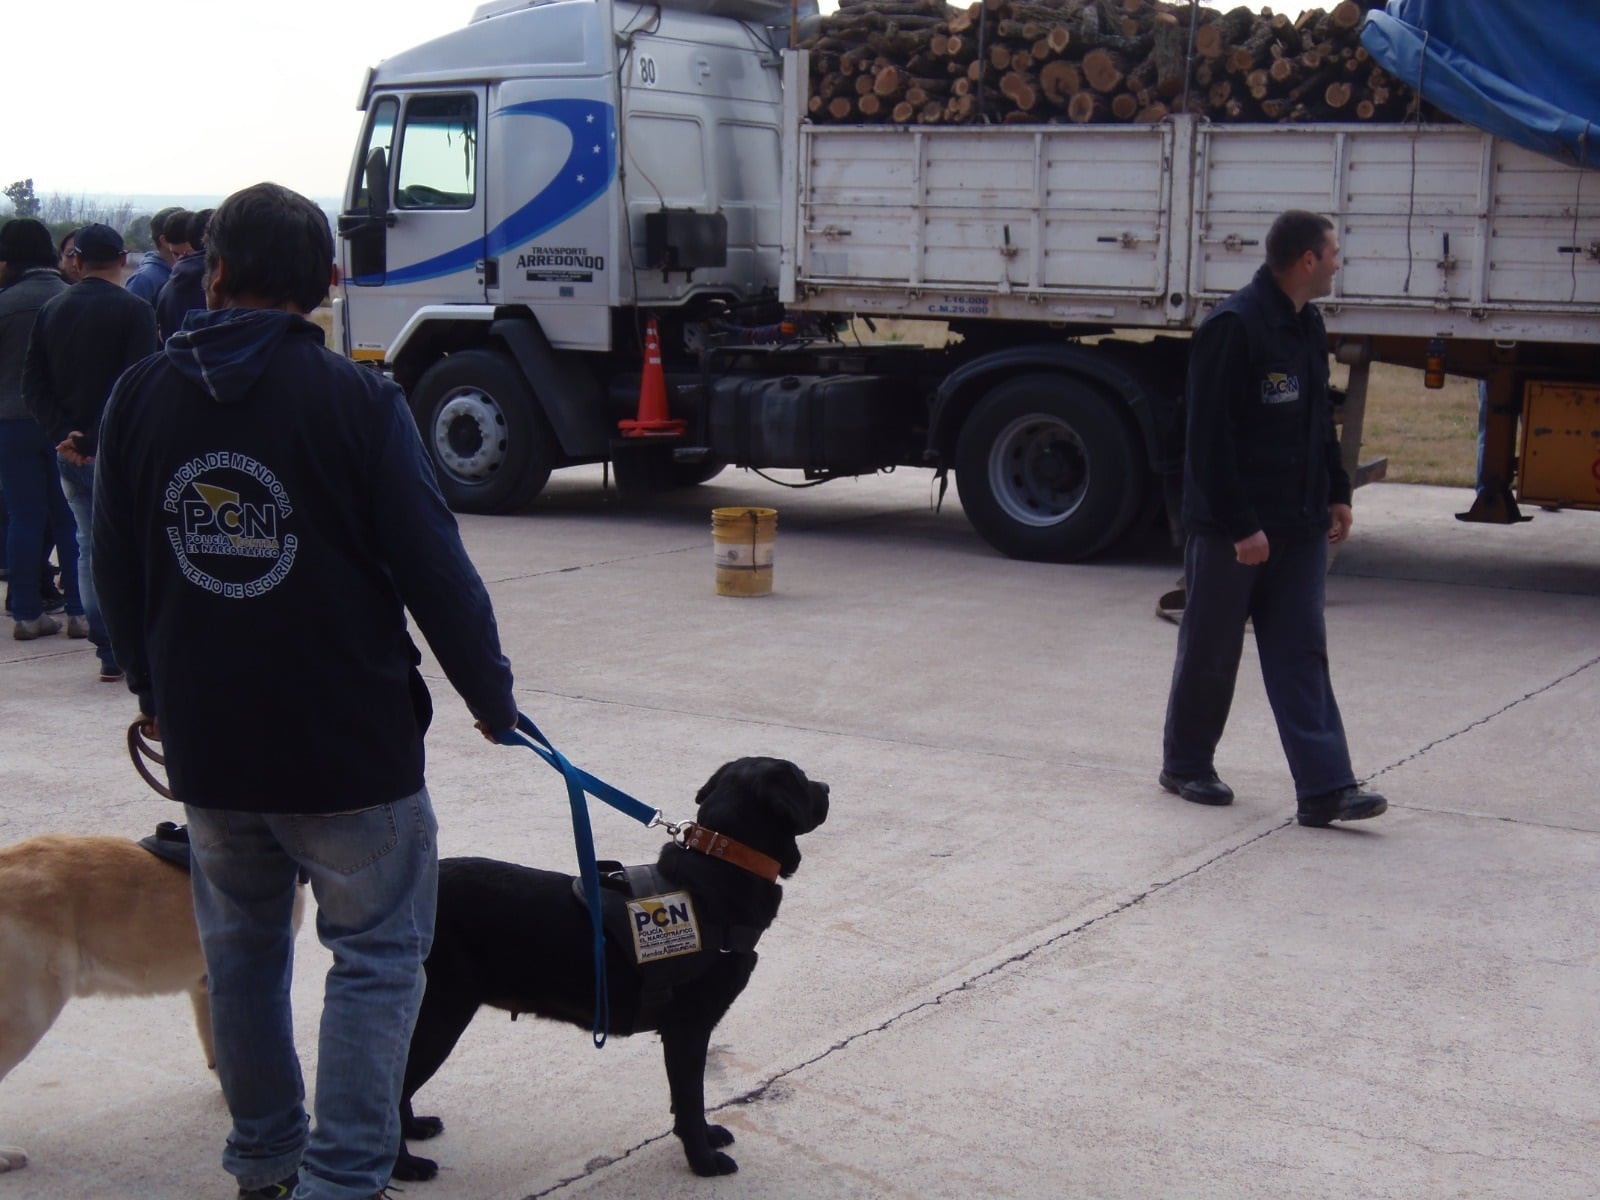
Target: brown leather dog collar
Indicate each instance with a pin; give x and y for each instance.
(711, 843)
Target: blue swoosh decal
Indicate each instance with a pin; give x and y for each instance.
(586, 176)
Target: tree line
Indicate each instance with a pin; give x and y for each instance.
(63, 213)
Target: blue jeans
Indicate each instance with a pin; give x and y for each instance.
(37, 510)
(375, 876)
(78, 484)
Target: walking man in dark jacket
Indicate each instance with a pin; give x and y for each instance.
(82, 340)
(1264, 495)
(265, 518)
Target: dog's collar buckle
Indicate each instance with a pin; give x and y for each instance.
(715, 845)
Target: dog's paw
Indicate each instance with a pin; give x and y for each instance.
(12, 1159)
(420, 1129)
(711, 1162)
(410, 1168)
(715, 1164)
(719, 1136)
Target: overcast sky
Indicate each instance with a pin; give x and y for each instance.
(195, 97)
(200, 97)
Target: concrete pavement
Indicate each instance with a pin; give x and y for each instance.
(1010, 965)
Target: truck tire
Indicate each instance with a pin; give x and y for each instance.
(1048, 470)
(491, 445)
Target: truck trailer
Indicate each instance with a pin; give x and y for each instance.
(537, 193)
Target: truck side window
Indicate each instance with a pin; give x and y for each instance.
(380, 136)
(438, 153)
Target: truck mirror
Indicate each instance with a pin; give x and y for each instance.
(377, 183)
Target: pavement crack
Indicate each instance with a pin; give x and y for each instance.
(973, 981)
(756, 1094)
(595, 1165)
(591, 564)
(1484, 720)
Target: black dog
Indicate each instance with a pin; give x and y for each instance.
(520, 939)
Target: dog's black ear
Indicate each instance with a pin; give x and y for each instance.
(795, 798)
(710, 785)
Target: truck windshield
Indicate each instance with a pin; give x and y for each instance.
(439, 153)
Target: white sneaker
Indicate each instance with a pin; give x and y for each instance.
(26, 631)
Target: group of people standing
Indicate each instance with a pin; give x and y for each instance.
(69, 326)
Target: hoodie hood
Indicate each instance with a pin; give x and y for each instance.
(191, 266)
(225, 351)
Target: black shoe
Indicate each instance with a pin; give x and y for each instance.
(281, 1190)
(52, 600)
(1346, 804)
(1198, 789)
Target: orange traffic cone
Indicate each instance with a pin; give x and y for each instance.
(653, 419)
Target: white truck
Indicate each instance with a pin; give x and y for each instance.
(531, 189)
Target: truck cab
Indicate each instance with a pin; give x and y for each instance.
(553, 164)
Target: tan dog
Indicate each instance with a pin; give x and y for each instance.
(87, 916)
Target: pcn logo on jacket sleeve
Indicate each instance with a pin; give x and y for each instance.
(228, 531)
(1279, 387)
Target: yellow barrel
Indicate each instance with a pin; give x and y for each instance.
(742, 541)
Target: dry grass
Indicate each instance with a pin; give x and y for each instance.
(1427, 436)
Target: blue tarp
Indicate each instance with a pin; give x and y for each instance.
(1523, 70)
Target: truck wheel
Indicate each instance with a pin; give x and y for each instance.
(1048, 470)
(490, 443)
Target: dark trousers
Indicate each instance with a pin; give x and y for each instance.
(1284, 597)
(37, 514)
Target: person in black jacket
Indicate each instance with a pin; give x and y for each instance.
(37, 507)
(82, 340)
(1264, 495)
(265, 518)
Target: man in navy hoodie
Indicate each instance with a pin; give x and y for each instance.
(156, 266)
(266, 516)
(184, 291)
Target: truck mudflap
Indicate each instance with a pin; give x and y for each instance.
(572, 399)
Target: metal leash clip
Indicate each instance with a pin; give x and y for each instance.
(678, 831)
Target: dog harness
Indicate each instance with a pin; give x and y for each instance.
(645, 913)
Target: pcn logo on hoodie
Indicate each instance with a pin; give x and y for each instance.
(229, 529)
(1279, 387)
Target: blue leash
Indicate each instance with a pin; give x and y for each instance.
(578, 782)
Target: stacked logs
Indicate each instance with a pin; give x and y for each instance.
(1014, 61)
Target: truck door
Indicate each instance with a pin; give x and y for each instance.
(414, 224)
